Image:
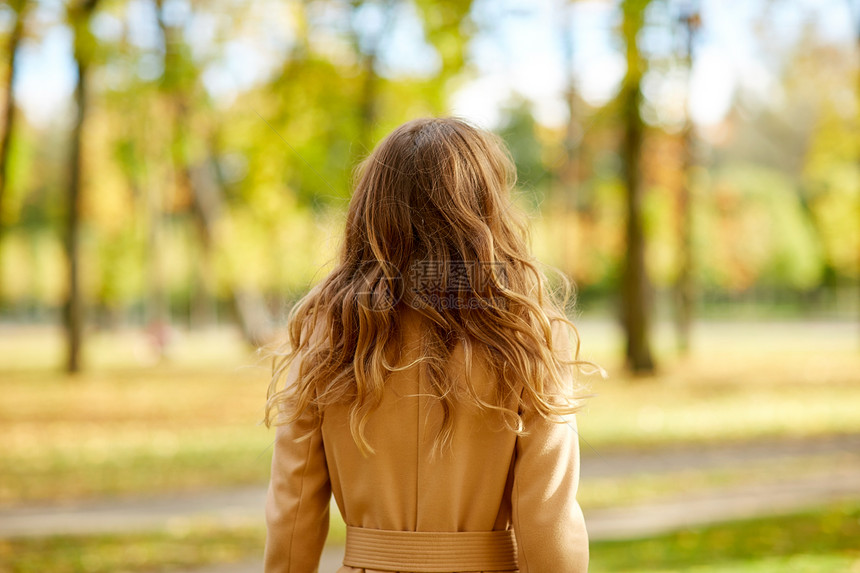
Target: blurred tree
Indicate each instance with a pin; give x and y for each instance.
(179, 86)
(316, 84)
(367, 42)
(567, 174)
(810, 134)
(684, 287)
(247, 302)
(566, 196)
(79, 16)
(519, 130)
(857, 36)
(139, 137)
(760, 233)
(448, 28)
(237, 209)
(635, 286)
(19, 10)
(197, 179)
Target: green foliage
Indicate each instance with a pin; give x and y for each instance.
(633, 19)
(447, 27)
(759, 231)
(832, 187)
(519, 132)
(771, 211)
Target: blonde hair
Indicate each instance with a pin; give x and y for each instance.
(435, 193)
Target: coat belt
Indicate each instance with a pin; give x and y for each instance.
(430, 551)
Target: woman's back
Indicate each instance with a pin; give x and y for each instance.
(406, 485)
(488, 480)
(425, 379)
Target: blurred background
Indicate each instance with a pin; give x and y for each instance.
(174, 175)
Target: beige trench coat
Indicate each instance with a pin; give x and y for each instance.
(407, 510)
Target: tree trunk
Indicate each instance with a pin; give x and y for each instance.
(202, 182)
(636, 296)
(73, 315)
(19, 9)
(370, 87)
(367, 105)
(202, 303)
(566, 176)
(248, 304)
(857, 29)
(684, 287)
(177, 88)
(569, 172)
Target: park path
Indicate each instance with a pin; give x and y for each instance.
(822, 481)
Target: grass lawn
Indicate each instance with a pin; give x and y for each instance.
(192, 423)
(161, 551)
(127, 426)
(107, 433)
(824, 541)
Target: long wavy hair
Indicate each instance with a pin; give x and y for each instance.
(431, 226)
